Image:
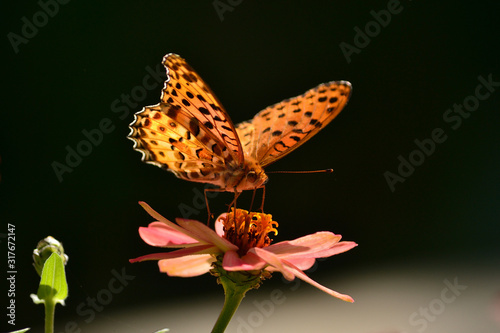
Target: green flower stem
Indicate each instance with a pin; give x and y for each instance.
(234, 293)
(50, 308)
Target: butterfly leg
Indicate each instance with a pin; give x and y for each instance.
(206, 204)
(253, 197)
(206, 201)
(263, 198)
(233, 203)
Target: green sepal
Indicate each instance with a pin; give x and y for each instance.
(53, 286)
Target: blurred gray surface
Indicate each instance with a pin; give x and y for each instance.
(387, 299)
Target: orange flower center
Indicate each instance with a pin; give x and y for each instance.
(248, 229)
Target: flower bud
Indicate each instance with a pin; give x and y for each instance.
(44, 249)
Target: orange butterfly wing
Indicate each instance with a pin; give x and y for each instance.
(189, 133)
(281, 128)
(187, 90)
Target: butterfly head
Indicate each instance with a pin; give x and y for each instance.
(255, 178)
(250, 177)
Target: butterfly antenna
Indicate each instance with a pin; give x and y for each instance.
(306, 171)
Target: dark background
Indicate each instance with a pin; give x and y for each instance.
(65, 79)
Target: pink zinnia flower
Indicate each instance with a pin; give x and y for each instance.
(240, 244)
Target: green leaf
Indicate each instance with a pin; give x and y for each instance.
(21, 331)
(53, 287)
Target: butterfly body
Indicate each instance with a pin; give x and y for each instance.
(190, 134)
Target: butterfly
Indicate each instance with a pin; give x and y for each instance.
(190, 134)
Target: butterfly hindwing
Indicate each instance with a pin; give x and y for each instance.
(281, 128)
(165, 142)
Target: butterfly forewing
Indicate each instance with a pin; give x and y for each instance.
(281, 128)
(200, 107)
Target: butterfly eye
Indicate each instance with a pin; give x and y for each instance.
(251, 177)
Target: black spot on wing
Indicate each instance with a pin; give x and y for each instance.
(280, 144)
(216, 149)
(215, 107)
(228, 140)
(203, 110)
(173, 111)
(194, 127)
(180, 156)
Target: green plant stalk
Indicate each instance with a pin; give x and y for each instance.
(234, 293)
(50, 309)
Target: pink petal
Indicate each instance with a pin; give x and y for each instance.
(162, 235)
(302, 263)
(219, 226)
(205, 234)
(336, 249)
(160, 218)
(274, 261)
(305, 246)
(187, 266)
(249, 262)
(301, 275)
(195, 250)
